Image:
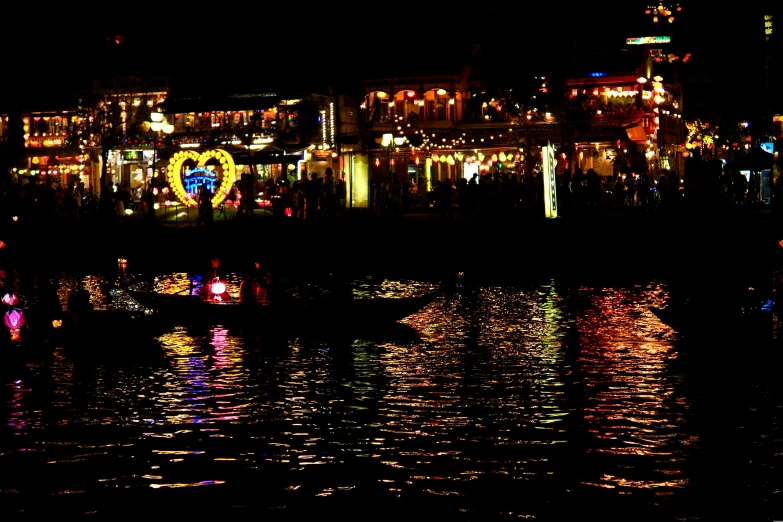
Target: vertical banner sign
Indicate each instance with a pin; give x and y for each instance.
(359, 191)
(550, 183)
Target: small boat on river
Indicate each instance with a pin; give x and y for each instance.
(106, 336)
(718, 319)
(337, 312)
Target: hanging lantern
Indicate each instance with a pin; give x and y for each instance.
(450, 160)
(377, 162)
(10, 299)
(442, 157)
(494, 158)
(435, 158)
(502, 156)
(481, 156)
(2, 244)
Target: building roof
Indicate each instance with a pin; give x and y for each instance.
(606, 63)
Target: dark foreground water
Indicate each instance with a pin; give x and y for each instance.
(549, 400)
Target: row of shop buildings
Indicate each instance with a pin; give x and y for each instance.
(616, 113)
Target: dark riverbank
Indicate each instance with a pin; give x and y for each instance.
(622, 244)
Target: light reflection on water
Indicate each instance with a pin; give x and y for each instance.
(525, 401)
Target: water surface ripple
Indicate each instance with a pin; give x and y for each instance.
(530, 401)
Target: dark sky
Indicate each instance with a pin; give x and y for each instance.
(242, 41)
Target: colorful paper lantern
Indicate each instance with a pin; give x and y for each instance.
(14, 319)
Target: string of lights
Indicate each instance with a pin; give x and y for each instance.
(662, 11)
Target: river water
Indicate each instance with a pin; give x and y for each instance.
(548, 400)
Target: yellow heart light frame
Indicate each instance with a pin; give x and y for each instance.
(177, 161)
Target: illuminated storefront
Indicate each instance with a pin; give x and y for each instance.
(131, 167)
(59, 170)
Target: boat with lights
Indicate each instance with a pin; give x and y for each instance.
(337, 312)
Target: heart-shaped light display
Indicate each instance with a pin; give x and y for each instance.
(216, 161)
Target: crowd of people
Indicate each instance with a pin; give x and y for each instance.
(498, 193)
(508, 193)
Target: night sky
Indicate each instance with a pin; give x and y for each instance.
(374, 40)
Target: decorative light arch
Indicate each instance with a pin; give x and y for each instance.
(201, 158)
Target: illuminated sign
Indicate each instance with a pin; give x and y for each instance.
(194, 178)
(768, 147)
(647, 40)
(132, 155)
(40, 141)
(597, 74)
(549, 163)
(223, 163)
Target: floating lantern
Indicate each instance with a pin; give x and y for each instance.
(10, 299)
(2, 244)
(14, 318)
(15, 218)
(57, 323)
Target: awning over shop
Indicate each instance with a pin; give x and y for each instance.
(637, 134)
(268, 157)
(756, 160)
(227, 102)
